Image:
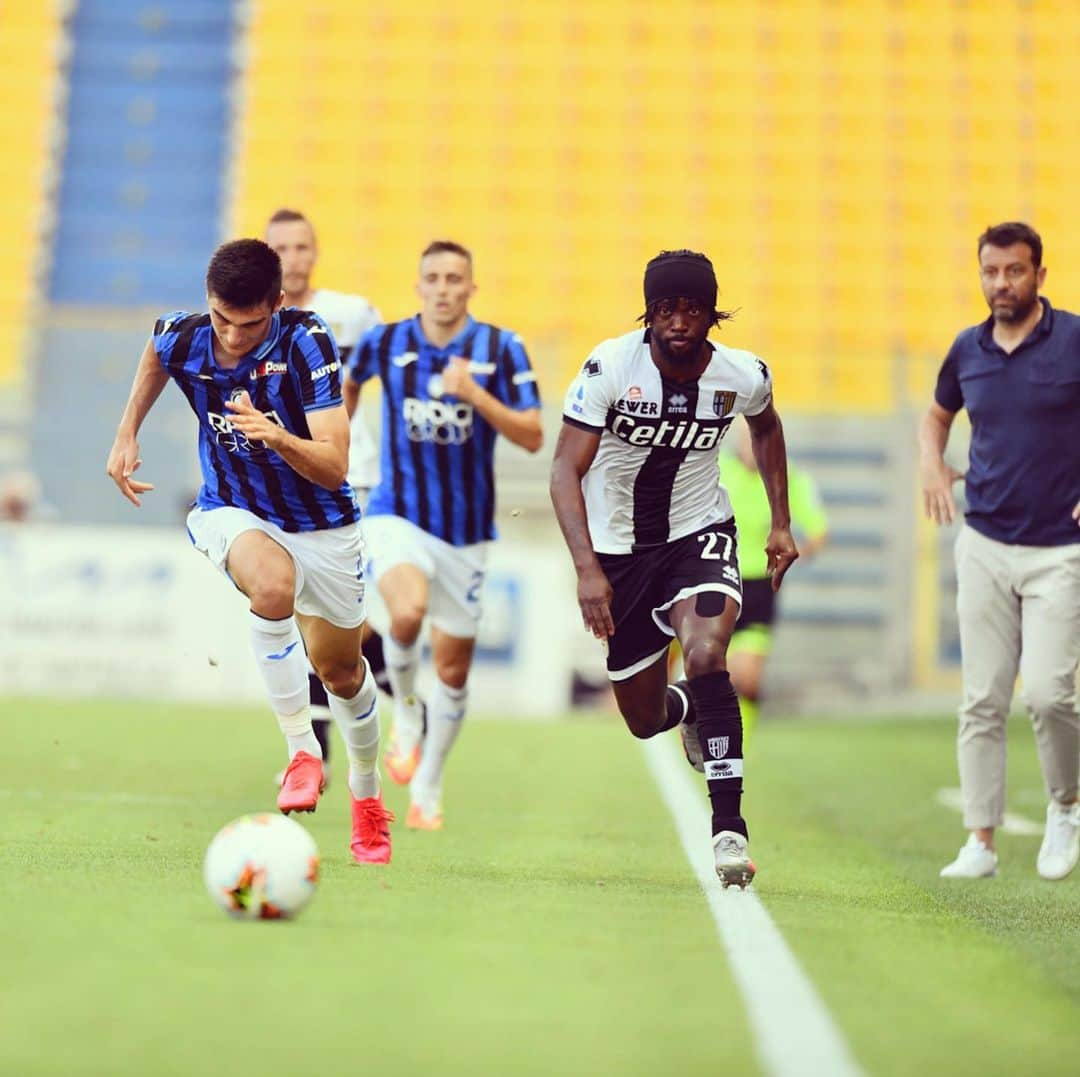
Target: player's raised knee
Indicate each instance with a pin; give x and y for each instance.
(707, 655)
(342, 679)
(272, 593)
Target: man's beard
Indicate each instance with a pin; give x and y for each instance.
(1010, 315)
(686, 358)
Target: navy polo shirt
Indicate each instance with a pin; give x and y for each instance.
(1023, 477)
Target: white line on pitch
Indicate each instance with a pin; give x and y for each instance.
(794, 1034)
(1011, 823)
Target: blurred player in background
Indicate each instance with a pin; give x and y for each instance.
(275, 513)
(20, 497)
(752, 641)
(451, 386)
(1018, 553)
(651, 533)
(349, 317)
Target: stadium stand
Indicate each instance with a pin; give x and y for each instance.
(836, 158)
(31, 52)
(144, 162)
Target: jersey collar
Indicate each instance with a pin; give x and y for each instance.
(453, 347)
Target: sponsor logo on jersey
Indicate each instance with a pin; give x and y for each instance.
(592, 367)
(434, 420)
(233, 440)
(677, 403)
(633, 393)
(648, 433)
(266, 368)
(723, 401)
(718, 746)
(405, 358)
(322, 371)
(638, 407)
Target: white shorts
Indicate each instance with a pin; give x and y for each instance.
(329, 565)
(455, 574)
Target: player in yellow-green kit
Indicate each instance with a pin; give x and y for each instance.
(752, 640)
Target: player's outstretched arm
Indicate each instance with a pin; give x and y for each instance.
(770, 452)
(935, 476)
(574, 453)
(123, 462)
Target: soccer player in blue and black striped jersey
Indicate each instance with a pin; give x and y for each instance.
(275, 513)
(451, 386)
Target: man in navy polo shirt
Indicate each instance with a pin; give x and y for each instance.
(1018, 554)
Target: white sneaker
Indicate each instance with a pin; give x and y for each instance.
(974, 861)
(1060, 848)
(733, 863)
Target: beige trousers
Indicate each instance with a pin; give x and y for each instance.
(1019, 612)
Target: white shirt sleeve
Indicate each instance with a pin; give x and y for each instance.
(761, 393)
(589, 397)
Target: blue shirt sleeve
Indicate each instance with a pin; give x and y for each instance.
(948, 392)
(166, 334)
(516, 379)
(316, 364)
(362, 362)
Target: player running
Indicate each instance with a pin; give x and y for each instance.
(349, 317)
(652, 535)
(451, 386)
(275, 513)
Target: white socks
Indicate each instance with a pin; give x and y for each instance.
(402, 662)
(282, 661)
(446, 712)
(358, 720)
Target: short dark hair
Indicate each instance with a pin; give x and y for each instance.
(447, 246)
(244, 273)
(663, 257)
(1010, 232)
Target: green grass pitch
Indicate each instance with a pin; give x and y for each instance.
(553, 927)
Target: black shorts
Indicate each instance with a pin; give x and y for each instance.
(759, 603)
(646, 584)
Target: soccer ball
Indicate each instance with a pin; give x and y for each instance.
(262, 867)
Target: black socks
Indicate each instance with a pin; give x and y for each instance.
(719, 729)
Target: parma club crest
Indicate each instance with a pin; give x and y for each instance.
(723, 401)
(718, 746)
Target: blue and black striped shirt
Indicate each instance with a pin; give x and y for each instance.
(437, 454)
(294, 371)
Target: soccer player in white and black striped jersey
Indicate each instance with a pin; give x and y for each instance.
(651, 534)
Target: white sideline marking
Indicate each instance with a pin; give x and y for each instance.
(1011, 823)
(793, 1032)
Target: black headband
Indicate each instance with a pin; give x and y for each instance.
(679, 276)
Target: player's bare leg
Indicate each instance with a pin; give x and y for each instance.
(404, 589)
(353, 696)
(650, 705)
(264, 571)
